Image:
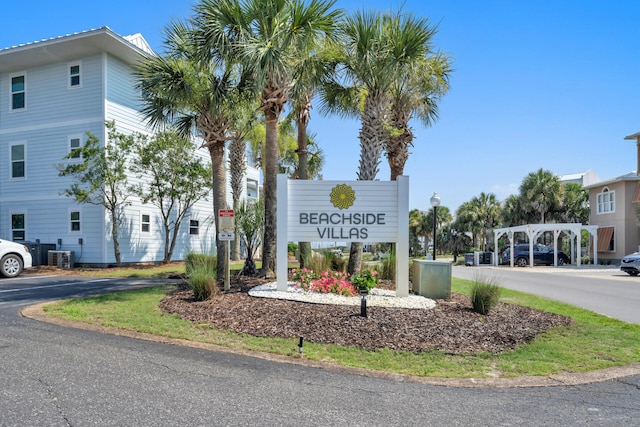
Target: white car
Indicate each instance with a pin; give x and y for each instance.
(630, 264)
(14, 258)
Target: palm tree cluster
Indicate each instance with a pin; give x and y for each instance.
(234, 60)
(542, 198)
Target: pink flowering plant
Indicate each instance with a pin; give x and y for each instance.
(303, 277)
(334, 283)
(364, 280)
(329, 282)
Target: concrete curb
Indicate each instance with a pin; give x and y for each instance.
(36, 312)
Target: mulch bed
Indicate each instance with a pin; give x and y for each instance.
(452, 327)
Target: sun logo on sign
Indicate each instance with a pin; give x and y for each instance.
(342, 196)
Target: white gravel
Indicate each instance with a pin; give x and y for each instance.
(376, 298)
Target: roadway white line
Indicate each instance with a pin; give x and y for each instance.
(58, 285)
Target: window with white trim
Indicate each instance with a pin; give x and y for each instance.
(18, 159)
(194, 227)
(18, 91)
(145, 223)
(18, 229)
(75, 142)
(75, 69)
(606, 201)
(74, 221)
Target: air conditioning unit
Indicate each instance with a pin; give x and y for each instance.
(61, 259)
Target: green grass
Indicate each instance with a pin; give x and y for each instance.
(592, 342)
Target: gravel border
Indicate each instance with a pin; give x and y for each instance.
(376, 298)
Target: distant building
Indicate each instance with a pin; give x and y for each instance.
(583, 178)
(53, 92)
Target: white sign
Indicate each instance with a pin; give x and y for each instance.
(352, 211)
(346, 211)
(223, 235)
(226, 220)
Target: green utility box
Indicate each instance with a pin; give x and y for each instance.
(432, 279)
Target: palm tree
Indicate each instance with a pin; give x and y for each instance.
(361, 89)
(422, 79)
(457, 241)
(468, 220)
(542, 192)
(415, 221)
(308, 77)
(575, 204)
(512, 211)
(269, 38)
(177, 89)
(488, 213)
(241, 127)
(443, 220)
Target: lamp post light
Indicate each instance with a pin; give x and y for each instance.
(435, 202)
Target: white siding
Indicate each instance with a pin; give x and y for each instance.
(54, 113)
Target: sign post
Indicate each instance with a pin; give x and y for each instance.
(226, 222)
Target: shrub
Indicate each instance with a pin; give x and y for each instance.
(319, 263)
(201, 273)
(303, 277)
(292, 248)
(364, 280)
(388, 267)
(203, 285)
(200, 262)
(484, 296)
(338, 263)
(334, 283)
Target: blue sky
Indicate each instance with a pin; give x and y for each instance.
(547, 84)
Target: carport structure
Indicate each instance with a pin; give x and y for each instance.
(533, 231)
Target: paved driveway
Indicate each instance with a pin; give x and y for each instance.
(604, 290)
(58, 376)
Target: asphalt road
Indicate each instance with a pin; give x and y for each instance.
(607, 291)
(57, 376)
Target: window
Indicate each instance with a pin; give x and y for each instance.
(74, 75)
(75, 142)
(606, 201)
(612, 242)
(194, 227)
(17, 227)
(74, 221)
(17, 161)
(145, 223)
(252, 189)
(18, 92)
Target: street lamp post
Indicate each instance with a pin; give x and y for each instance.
(435, 202)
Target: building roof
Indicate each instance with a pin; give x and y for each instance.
(631, 176)
(73, 46)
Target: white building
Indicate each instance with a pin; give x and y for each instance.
(53, 92)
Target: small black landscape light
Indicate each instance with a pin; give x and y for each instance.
(363, 303)
(300, 345)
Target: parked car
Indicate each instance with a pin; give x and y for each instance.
(630, 264)
(542, 254)
(14, 258)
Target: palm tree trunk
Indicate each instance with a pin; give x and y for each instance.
(237, 164)
(372, 137)
(302, 121)
(216, 151)
(270, 195)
